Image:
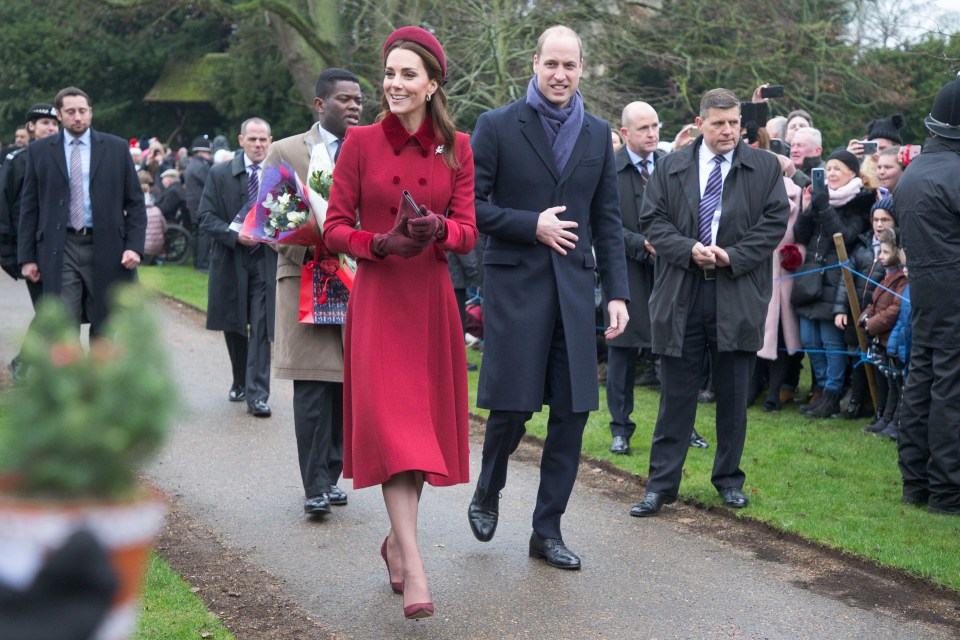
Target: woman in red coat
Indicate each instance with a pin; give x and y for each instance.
(405, 381)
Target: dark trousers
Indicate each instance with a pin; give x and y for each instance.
(76, 279)
(929, 438)
(561, 448)
(250, 354)
(680, 379)
(621, 372)
(318, 423)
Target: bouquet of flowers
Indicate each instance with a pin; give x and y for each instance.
(284, 211)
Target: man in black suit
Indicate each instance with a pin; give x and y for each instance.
(714, 212)
(75, 239)
(241, 291)
(636, 162)
(546, 192)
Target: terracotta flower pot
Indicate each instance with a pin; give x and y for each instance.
(32, 530)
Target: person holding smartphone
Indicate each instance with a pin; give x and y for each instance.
(404, 362)
(840, 205)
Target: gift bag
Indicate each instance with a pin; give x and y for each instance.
(324, 290)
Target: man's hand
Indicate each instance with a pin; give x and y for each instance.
(617, 310)
(685, 137)
(650, 249)
(130, 259)
(855, 148)
(246, 239)
(552, 231)
(723, 260)
(840, 321)
(30, 271)
(756, 93)
(702, 256)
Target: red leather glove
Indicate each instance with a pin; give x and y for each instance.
(397, 242)
(429, 227)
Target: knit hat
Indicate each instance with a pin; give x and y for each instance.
(422, 37)
(888, 128)
(944, 118)
(40, 110)
(887, 205)
(200, 143)
(847, 158)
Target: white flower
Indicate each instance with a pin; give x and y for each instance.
(284, 199)
(439, 150)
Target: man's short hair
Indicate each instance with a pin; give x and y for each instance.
(718, 99)
(70, 91)
(813, 134)
(330, 77)
(254, 120)
(558, 29)
(800, 113)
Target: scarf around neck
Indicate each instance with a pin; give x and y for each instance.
(846, 193)
(562, 126)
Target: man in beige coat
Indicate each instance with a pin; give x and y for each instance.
(312, 355)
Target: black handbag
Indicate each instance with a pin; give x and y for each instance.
(807, 284)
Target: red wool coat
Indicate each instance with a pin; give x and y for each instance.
(405, 381)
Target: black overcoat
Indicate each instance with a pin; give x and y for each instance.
(927, 201)
(639, 260)
(119, 214)
(754, 218)
(224, 195)
(526, 283)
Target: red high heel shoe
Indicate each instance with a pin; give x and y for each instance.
(396, 586)
(418, 610)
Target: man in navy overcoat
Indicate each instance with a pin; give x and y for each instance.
(547, 199)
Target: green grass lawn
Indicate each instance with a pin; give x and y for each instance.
(821, 479)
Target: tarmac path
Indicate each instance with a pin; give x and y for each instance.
(641, 579)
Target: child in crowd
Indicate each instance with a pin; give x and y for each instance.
(878, 320)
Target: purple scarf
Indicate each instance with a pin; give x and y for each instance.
(562, 126)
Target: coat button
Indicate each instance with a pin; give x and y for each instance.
(425, 154)
(396, 153)
(396, 179)
(422, 181)
(393, 210)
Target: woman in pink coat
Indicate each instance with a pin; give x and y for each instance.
(782, 329)
(405, 381)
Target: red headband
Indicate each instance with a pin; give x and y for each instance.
(422, 37)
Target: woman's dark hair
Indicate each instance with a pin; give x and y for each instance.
(443, 125)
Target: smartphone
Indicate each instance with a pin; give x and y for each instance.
(883, 191)
(779, 146)
(819, 177)
(408, 201)
(773, 91)
(869, 147)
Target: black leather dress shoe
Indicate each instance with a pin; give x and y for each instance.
(620, 445)
(697, 441)
(553, 551)
(734, 498)
(237, 394)
(258, 408)
(337, 496)
(483, 513)
(317, 505)
(651, 504)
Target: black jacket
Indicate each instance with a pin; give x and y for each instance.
(11, 186)
(814, 228)
(927, 201)
(862, 261)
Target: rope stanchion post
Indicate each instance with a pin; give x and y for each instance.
(855, 313)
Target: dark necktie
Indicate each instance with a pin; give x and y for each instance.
(253, 190)
(336, 154)
(644, 174)
(253, 185)
(78, 217)
(710, 201)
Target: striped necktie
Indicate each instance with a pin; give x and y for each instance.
(253, 185)
(644, 174)
(78, 218)
(710, 201)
